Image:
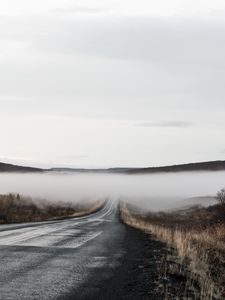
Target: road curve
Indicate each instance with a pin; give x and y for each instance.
(89, 258)
(50, 260)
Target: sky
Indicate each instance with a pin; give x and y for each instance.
(111, 83)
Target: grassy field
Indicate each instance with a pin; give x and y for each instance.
(195, 239)
(16, 209)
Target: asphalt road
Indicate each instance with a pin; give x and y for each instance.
(93, 257)
(49, 259)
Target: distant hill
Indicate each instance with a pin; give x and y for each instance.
(82, 170)
(218, 165)
(13, 168)
(204, 201)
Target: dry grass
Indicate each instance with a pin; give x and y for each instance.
(17, 208)
(200, 250)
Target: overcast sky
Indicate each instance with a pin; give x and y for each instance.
(112, 83)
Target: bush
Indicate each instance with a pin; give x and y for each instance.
(221, 197)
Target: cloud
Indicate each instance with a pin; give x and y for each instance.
(82, 10)
(74, 157)
(175, 124)
(138, 38)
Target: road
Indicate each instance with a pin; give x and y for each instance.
(78, 258)
(46, 260)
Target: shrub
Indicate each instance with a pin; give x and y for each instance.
(221, 196)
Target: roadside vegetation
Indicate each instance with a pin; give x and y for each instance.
(15, 208)
(195, 239)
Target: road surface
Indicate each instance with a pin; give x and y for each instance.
(92, 257)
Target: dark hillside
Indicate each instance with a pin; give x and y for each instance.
(13, 168)
(218, 165)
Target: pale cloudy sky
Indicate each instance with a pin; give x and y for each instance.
(112, 83)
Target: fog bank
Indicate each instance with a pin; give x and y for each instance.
(154, 191)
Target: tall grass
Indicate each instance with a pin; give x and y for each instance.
(201, 250)
(17, 208)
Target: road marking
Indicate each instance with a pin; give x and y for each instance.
(51, 233)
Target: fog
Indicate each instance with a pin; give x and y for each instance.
(154, 191)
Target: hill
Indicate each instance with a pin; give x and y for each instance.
(14, 168)
(218, 165)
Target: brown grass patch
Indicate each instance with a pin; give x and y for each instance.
(197, 241)
(17, 209)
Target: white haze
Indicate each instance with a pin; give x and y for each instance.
(154, 191)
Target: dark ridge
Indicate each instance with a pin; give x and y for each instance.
(218, 165)
(80, 170)
(19, 169)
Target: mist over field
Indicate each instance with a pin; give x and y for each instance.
(153, 191)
